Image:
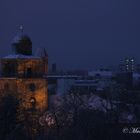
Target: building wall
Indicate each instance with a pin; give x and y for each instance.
(26, 90)
(19, 67)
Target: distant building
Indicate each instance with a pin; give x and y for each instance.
(125, 79)
(104, 74)
(54, 70)
(94, 81)
(128, 65)
(60, 84)
(138, 68)
(22, 75)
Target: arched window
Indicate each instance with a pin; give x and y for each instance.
(33, 102)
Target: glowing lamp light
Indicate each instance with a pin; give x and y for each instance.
(48, 119)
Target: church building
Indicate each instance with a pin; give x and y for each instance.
(22, 74)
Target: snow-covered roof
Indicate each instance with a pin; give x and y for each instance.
(18, 38)
(62, 76)
(21, 56)
(101, 73)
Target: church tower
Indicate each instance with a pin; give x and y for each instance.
(22, 75)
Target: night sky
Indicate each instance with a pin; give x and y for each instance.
(78, 34)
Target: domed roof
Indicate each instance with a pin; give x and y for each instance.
(22, 44)
(20, 38)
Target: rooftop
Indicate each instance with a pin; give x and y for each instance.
(21, 56)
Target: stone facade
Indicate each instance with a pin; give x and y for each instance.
(22, 76)
(27, 91)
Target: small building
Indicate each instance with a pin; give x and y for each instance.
(60, 84)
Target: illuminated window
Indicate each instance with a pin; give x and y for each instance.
(33, 101)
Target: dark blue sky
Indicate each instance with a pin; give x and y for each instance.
(76, 33)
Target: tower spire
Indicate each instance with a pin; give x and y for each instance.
(21, 29)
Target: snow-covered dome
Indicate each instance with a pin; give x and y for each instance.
(22, 44)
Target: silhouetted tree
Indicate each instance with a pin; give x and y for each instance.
(8, 114)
